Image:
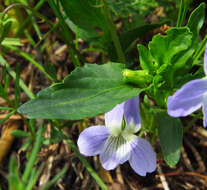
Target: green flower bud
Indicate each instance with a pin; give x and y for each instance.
(139, 77)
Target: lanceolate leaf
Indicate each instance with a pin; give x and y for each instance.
(170, 132)
(86, 92)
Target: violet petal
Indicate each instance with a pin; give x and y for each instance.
(132, 114)
(91, 141)
(205, 112)
(116, 151)
(205, 61)
(143, 158)
(187, 99)
(114, 117)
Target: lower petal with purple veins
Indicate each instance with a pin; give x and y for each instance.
(116, 151)
(143, 158)
(91, 141)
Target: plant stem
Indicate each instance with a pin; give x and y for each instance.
(200, 50)
(182, 12)
(114, 35)
(66, 33)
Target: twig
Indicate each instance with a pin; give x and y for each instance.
(186, 160)
(198, 158)
(183, 173)
(162, 178)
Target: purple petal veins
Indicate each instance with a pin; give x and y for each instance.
(116, 151)
(116, 145)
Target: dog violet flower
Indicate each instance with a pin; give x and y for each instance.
(191, 97)
(117, 144)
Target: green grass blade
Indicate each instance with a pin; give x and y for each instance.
(29, 37)
(182, 13)
(29, 58)
(11, 41)
(53, 181)
(6, 108)
(34, 154)
(27, 91)
(84, 161)
(17, 87)
(34, 177)
(7, 117)
(27, 20)
(114, 35)
(66, 33)
(47, 34)
(6, 83)
(13, 174)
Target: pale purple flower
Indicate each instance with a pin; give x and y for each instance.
(116, 144)
(191, 97)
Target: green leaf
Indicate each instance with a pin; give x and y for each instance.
(51, 70)
(17, 86)
(88, 17)
(86, 92)
(6, 83)
(5, 27)
(145, 58)
(13, 173)
(27, 144)
(164, 47)
(12, 41)
(168, 58)
(196, 21)
(170, 132)
(19, 133)
(6, 108)
(7, 117)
